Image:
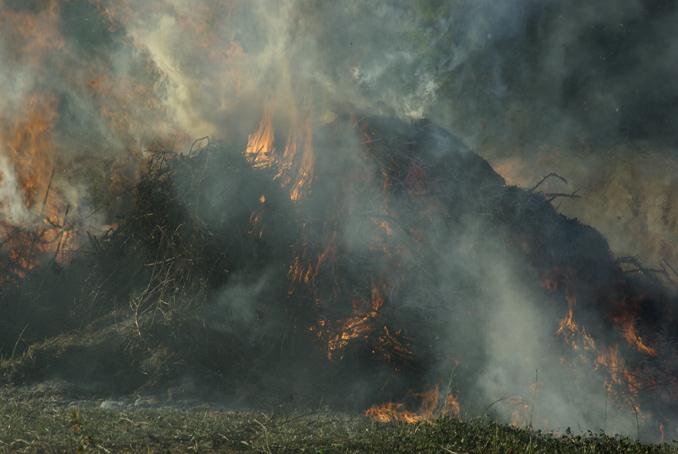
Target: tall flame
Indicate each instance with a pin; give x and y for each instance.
(292, 170)
(260, 150)
(306, 166)
(631, 335)
(29, 149)
(33, 217)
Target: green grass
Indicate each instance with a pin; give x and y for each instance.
(40, 423)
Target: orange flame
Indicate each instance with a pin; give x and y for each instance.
(631, 335)
(431, 407)
(261, 153)
(28, 165)
(391, 411)
(34, 34)
(306, 167)
(30, 149)
(260, 150)
(358, 326)
(567, 327)
(621, 383)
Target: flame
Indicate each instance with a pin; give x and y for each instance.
(34, 34)
(567, 328)
(610, 359)
(520, 414)
(260, 150)
(619, 377)
(306, 168)
(34, 212)
(33, 219)
(299, 272)
(631, 335)
(620, 382)
(358, 326)
(567, 324)
(392, 345)
(261, 153)
(452, 405)
(431, 407)
(30, 149)
(287, 161)
(391, 411)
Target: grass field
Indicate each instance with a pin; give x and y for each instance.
(35, 422)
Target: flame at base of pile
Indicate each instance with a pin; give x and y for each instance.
(433, 405)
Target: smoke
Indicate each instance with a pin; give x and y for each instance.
(581, 89)
(535, 86)
(13, 209)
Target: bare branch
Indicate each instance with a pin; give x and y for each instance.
(551, 196)
(543, 180)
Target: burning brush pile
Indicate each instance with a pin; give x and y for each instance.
(363, 263)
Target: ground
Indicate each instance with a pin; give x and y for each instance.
(38, 420)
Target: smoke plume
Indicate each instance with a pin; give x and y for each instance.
(94, 87)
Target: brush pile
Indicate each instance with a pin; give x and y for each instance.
(363, 280)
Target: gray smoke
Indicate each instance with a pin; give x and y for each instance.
(516, 80)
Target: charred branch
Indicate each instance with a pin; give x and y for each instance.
(546, 178)
(551, 196)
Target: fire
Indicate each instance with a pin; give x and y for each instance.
(567, 324)
(392, 345)
(306, 167)
(287, 161)
(391, 411)
(612, 361)
(30, 149)
(261, 153)
(34, 34)
(260, 150)
(520, 414)
(619, 376)
(432, 406)
(631, 336)
(567, 327)
(303, 271)
(34, 220)
(358, 326)
(621, 383)
(452, 405)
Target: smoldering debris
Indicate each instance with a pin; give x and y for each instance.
(361, 263)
